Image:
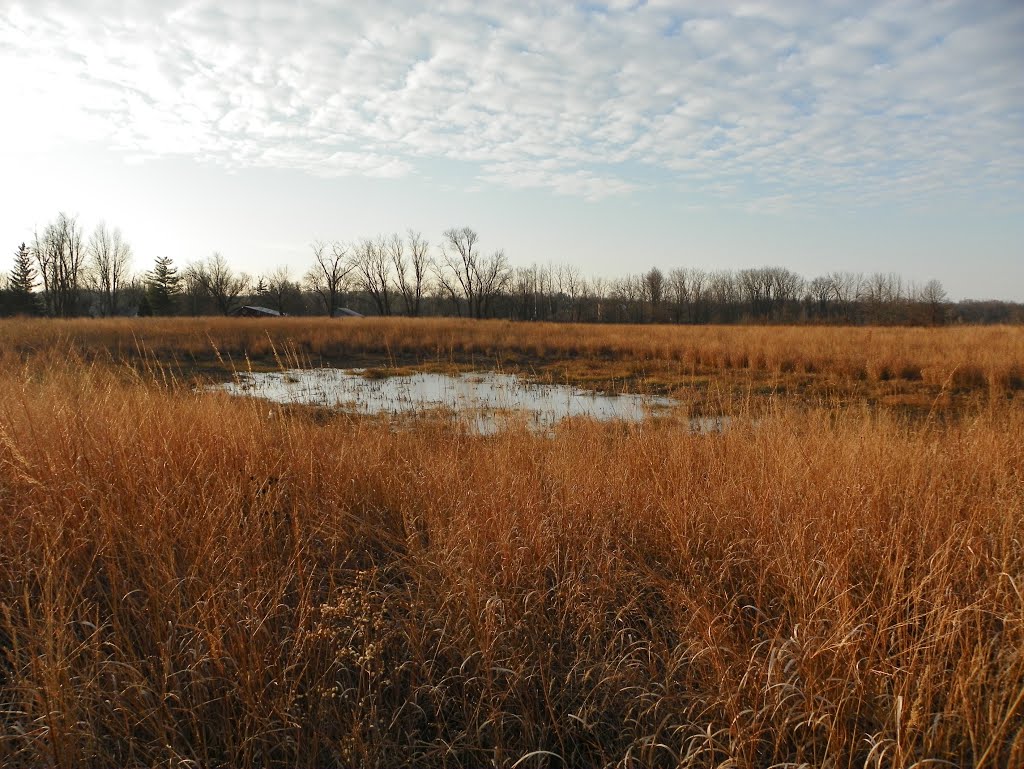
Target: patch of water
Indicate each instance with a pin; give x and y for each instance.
(484, 401)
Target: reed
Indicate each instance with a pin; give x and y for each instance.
(187, 578)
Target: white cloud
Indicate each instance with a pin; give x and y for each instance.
(803, 102)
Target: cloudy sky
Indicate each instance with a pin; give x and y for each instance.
(615, 136)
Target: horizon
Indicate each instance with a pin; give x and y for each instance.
(611, 137)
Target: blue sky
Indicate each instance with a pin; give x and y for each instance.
(614, 136)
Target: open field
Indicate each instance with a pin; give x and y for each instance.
(190, 578)
(816, 363)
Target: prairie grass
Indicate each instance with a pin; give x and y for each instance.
(976, 358)
(191, 579)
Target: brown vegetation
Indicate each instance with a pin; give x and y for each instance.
(187, 577)
(988, 358)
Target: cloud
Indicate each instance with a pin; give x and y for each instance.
(765, 105)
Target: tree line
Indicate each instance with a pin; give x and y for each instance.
(63, 273)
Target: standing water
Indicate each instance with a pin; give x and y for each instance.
(483, 401)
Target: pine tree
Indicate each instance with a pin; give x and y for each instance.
(22, 283)
(163, 284)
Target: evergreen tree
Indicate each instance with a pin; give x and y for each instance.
(22, 283)
(163, 285)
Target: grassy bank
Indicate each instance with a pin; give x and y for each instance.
(187, 578)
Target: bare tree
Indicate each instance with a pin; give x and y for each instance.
(550, 284)
(280, 287)
(411, 273)
(699, 300)
(880, 293)
(109, 257)
(575, 289)
(43, 257)
(784, 289)
(456, 270)
(822, 294)
(193, 292)
(599, 292)
(328, 275)
(756, 287)
(467, 275)
(679, 293)
(493, 277)
(372, 269)
(526, 289)
(220, 282)
(60, 254)
(933, 296)
(654, 289)
(723, 295)
(629, 294)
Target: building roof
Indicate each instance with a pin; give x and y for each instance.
(253, 309)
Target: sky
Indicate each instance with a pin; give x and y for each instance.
(616, 136)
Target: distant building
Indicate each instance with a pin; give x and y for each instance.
(345, 312)
(254, 311)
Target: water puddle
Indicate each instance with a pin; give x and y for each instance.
(485, 401)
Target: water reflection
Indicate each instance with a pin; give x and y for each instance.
(484, 401)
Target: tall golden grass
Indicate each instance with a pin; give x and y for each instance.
(988, 357)
(189, 579)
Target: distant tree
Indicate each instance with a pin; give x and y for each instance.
(987, 311)
(411, 272)
(329, 273)
(629, 295)
(60, 257)
(373, 271)
(193, 293)
(219, 282)
(699, 295)
(821, 296)
(163, 286)
(785, 288)
(724, 296)
(933, 296)
(549, 284)
(526, 289)
(456, 269)
(678, 291)
(107, 267)
(654, 289)
(575, 289)
(493, 277)
(880, 295)
(282, 292)
(467, 275)
(22, 283)
(756, 289)
(599, 295)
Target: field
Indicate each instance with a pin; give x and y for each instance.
(837, 579)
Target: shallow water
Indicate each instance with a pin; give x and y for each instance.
(484, 401)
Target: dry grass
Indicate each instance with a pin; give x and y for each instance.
(989, 358)
(191, 579)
